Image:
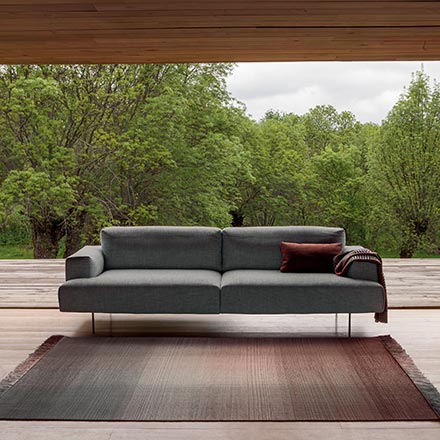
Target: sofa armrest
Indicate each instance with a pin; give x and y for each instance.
(88, 262)
(361, 270)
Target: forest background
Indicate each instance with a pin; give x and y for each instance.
(87, 146)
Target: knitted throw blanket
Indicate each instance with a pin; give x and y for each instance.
(345, 260)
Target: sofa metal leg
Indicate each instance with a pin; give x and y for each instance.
(93, 324)
(349, 325)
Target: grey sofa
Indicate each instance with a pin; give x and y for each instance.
(208, 270)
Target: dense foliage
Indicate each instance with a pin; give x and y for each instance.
(83, 147)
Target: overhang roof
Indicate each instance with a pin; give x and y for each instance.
(162, 31)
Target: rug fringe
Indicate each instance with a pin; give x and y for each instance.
(14, 376)
(428, 390)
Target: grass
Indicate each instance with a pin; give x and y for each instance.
(11, 252)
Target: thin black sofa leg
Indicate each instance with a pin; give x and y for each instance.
(349, 325)
(93, 324)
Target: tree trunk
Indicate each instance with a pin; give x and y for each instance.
(407, 250)
(73, 235)
(46, 236)
(73, 241)
(237, 218)
(417, 230)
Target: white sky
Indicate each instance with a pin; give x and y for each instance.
(369, 90)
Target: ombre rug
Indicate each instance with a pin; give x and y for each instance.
(218, 379)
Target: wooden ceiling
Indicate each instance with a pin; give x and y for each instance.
(162, 31)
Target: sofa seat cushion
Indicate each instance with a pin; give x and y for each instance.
(143, 291)
(271, 291)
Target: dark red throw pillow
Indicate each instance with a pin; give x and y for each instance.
(308, 257)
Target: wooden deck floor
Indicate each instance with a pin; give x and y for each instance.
(418, 331)
(34, 283)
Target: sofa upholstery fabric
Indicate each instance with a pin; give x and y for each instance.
(259, 247)
(144, 291)
(361, 270)
(88, 262)
(162, 247)
(196, 270)
(271, 291)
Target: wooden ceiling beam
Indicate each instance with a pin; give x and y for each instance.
(160, 31)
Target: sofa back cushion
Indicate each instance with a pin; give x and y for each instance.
(162, 247)
(259, 247)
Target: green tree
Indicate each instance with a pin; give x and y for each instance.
(207, 149)
(271, 196)
(335, 191)
(404, 166)
(59, 122)
(325, 127)
(88, 146)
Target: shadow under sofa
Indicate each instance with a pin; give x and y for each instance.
(203, 270)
